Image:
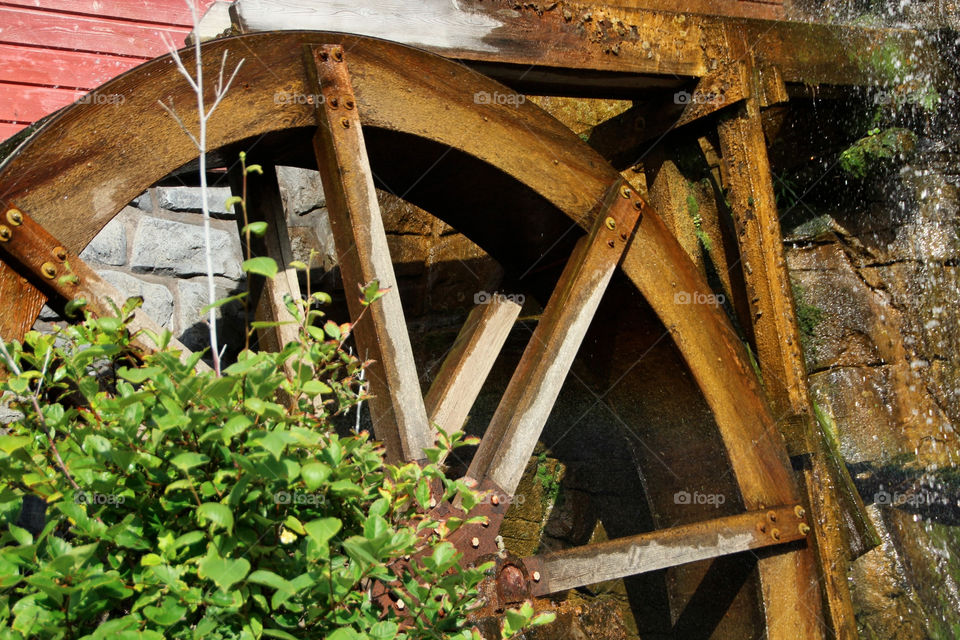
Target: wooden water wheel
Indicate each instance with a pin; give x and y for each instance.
(518, 184)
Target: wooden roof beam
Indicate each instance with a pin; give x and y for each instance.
(612, 45)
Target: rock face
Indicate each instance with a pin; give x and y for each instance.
(882, 359)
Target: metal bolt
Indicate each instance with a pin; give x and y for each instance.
(611, 223)
(400, 605)
(610, 244)
(49, 270)
(625, 192)
(14, 217)
(475, 542)
(433, 502)
(345, 123)
(495, 499)
(60, 253)
(775, 534)
(5, 233)
(324, 56)
(804, 528)
(762, 527)
(338, 55)
(348, 104)
(333, 102)
(772, 516)
(638, 205)
(536, 576)
(623, 235)
(799, 511)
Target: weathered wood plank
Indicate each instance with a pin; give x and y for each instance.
(61, 69)
(83, 33)
(169, 12)
(622, 557)
(399, 416)
(465, 369)
(23, 103)
(590, 37)
(777, 338)
(7, 129)
(516, 425)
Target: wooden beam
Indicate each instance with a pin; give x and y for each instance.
(399, 415)
(631, 555)
(465, 369)
(516, 425)
(593, 37)
(777, 336)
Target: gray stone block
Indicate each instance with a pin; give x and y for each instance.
(192, 324)
(188, 199)
(168, 246)
(301, 190)
(157, 299)
(109, 247)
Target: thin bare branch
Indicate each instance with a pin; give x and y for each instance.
(173, 113)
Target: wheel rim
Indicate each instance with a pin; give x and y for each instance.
(73, 176)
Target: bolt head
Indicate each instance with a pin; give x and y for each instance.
(475, 542)
(60, 254)
(775, 534)
(625, 192)
(333, 102)
(348, 104)
(804, 528)
(400, 605)
(5, 233)
(344, 123)
(536, 576)
(611, 223)
(799, 511)
(772, 516)
(494, 499)
(48, 270)
(15, 217)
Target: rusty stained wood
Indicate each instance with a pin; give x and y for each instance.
(631, 555)
(512, 434)
(467, 365)
(63, 273)
(265, 204)
(591, 37)
(777, 336)
(397, 409)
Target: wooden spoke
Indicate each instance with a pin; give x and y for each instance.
(399, 415)
(265, 204)
(63, 273)
(523, 411)
(665, 548)
(466, 367)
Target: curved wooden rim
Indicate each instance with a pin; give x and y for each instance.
(81, 168)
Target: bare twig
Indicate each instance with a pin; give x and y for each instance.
(200, 142)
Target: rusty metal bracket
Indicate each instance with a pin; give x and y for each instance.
(64, 273)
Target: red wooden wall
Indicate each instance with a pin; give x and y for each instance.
(54, 51)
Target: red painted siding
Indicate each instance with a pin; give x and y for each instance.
(54, 51)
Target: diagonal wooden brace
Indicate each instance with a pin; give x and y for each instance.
(25, 241)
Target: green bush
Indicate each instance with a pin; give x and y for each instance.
(185, 505)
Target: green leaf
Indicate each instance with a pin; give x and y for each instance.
(272, 580)
(232, 200)
(384, 630)
(255, 228)
(315, 474)
(138, 375)
(262, 265)
(188, 460)
(225, 572)
(314, 387)
(9, 444)
(332, 329)
(168, 613)
(217, 514)
(344, 633)
(323, 529)
(22, 536)
(74, 307)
